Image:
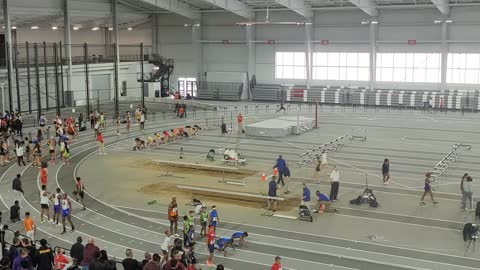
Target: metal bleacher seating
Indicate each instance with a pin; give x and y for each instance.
(220, 91)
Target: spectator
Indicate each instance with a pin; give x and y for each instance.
(280, 165)
(130, 263)
(272, 192)
(76, 251)
(167, 245)
(44, 256)
(96, 264)
(15, 212)
(184, 107)
(191, 257)
(32, 250)
(107, 263)
(334, 181)
(19, 261)
(306, 196)
(178, 248)
(17, 188)
(462, 205)
(14, 251)
(89, 253)
(277, 265)
(148, 257)
(467, 191)
(153, 264)
(60, 260)
(175, 262)
(386, 171)
(220, 267)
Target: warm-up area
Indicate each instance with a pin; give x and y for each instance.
(239, 134)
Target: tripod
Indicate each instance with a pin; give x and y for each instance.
(473, 239)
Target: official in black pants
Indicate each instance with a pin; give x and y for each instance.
(334, 180)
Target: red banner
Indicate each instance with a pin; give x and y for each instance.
(297, 93)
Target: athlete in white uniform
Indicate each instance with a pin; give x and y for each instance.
(44, 203)
(66, 211)
(55, 198)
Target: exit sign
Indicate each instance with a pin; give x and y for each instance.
(412, 42)
(324, 42)
(270, 41)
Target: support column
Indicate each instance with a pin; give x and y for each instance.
(67, 40)
(116, 53)
(250, 33)
(443, 86)
(155, 34)
(8, 51)
(197, 50)
(373, 55)
(308, 51)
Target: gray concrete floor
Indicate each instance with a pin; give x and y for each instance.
(400, 234)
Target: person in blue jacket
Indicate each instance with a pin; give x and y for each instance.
(240, 236)
(280, 165)
(306, 196)
(324, 200)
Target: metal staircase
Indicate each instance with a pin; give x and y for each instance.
(162, 71)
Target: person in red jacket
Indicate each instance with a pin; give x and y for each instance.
(89, 253)
(277, 265)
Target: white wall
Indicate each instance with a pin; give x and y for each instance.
(343, 29)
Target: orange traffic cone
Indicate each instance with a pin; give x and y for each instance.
(322, 207)
(264, 177)
(275, 172)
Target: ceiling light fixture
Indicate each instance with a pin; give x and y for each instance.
(449, 21)
(437, 21)
(197, 25)
(34, 27)
(365, 22)
(95, 28)
(110, 28)
(129, 28)
(75, 28)
(187, 25)
(54, 27)
(374, 22)
(14, 27)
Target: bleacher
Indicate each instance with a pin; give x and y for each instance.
(219, 91)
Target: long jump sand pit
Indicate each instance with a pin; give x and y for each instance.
(169, 174)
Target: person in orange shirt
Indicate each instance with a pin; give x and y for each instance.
(44, 174)
(29, 226)
(173, 215)
(101, 144)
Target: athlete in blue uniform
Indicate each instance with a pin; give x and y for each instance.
(213, 217)
(223, 243)
(240, 236)
(66, 212)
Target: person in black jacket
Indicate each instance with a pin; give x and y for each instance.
(17, 188)
(96, 264)
(178, 248)
(32, 250)
(44, 256)
(76, 251)
(14, 250)
(15, 212)
(130, 263)
(108, 264)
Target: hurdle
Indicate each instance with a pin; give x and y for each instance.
(332, 146)
(442, 166)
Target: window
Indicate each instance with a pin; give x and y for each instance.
(409, 67)
(290, 65)
(341, 66)
(463, 68)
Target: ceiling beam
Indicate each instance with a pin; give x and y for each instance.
(368, 6)
(174, 6)
(299, 6)
(235, 7)
(442, 5)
